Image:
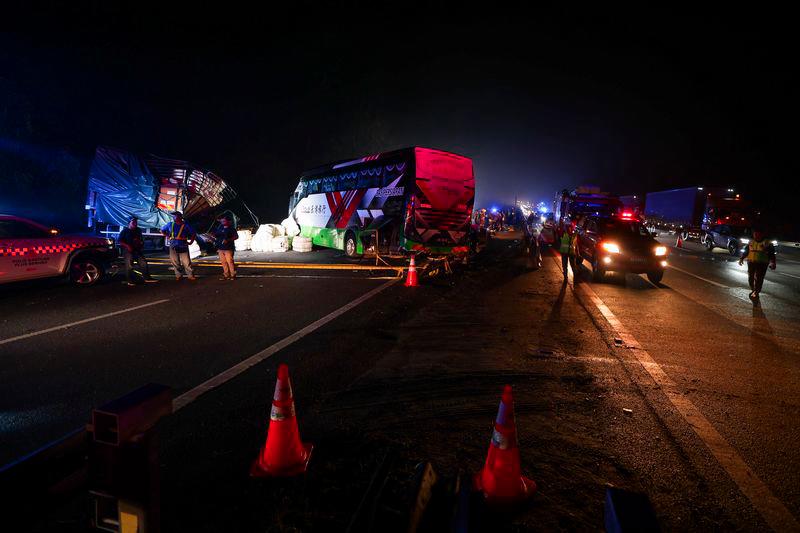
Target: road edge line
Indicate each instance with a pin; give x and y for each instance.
(79, 322)
(194, 393)
(774, 512)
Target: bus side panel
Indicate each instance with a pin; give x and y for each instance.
(326, 217)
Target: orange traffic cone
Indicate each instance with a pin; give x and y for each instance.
(283, 454)
(679, 244)
(501, 480)
(411, 278)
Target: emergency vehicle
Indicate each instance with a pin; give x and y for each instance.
(29, 250)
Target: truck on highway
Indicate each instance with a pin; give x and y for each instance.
(693, 211)
(571, 206)
(414, 199)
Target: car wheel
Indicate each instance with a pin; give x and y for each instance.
(350, 245)
(732, 248)
(598, 274)
(85, 272)
(656, 276)
(709, 243)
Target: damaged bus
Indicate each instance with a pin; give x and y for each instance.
(410, 200)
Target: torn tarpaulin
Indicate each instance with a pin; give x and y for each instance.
(123, 184)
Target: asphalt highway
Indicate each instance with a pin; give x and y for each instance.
(685, 390)
(177, 334)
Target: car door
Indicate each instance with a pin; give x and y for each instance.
(7, 246)
(22, 251)
(588, 244)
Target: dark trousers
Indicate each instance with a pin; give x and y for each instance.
(755, 275)
(137, 256)
(568, 259)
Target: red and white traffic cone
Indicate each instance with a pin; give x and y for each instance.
(411, 277)
(283, 454)
(501, 480)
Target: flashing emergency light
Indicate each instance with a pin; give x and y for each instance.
(494, 210)
(627, 215)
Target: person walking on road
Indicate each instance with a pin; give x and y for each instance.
(759, 254)
(225, 235)
(180, 235)
(132, 243)
(567, 250)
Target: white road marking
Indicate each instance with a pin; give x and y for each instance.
(785, 274)
(189, 396)
(698, 277)
(79, 322)
(767, 504)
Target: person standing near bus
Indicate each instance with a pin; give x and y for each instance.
(225, 235)
(180, 235)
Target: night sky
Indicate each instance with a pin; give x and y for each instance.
(541, 100)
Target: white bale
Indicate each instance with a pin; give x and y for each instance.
(302, 244)
(280, 244)
(262, 240)
(276, 229)
(244, 241)
(290, 227)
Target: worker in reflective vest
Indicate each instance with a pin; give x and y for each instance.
(759, 254)
(180, 235)
(567, 250)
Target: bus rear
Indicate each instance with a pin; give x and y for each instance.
(438, 211)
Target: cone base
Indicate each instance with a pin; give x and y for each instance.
(259, 470)
(525, 490)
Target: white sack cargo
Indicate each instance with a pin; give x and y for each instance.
(194, 250)
(302, 244)
(290, 227)
(280, 244)
(244, 241)
(276, 230)
(262, 240)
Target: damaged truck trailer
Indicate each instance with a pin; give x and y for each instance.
(123, 184)
(414, 200)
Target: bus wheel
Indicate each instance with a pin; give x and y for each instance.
(350, 247)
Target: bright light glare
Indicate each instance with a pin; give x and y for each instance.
(661, 250)
(774, 243)
(745, 241)
(543, 218)
(663, 263)
(606, 260)
(611, 247)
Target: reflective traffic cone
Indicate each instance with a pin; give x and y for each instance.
(501, 480)
(411, 277)
(679, 244)
(283, 454)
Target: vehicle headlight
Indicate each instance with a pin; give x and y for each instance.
(610, 247)
(661, 250)
(744, 241)
(774, 243)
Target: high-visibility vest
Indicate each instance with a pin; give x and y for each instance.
(757, 252)
(172, 235)
(567, 244)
